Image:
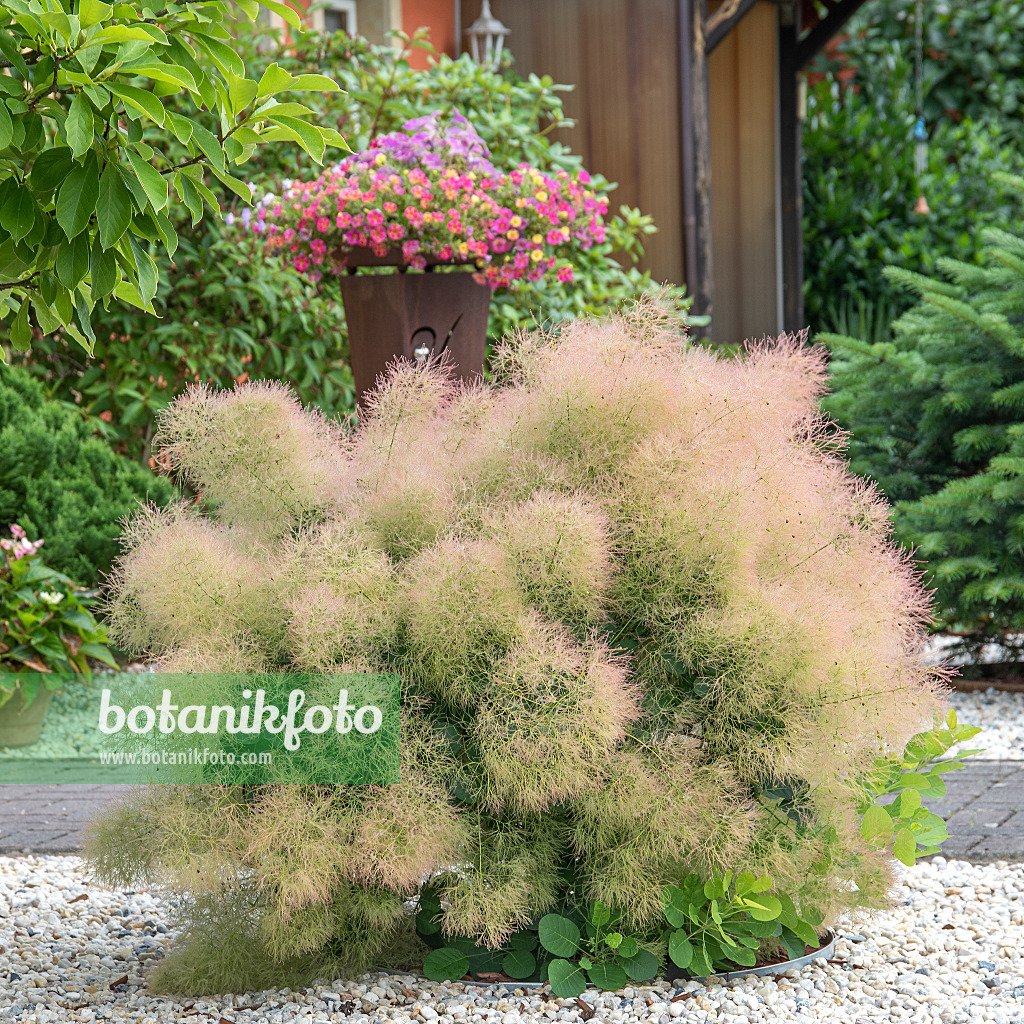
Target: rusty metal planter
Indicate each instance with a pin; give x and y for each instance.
(418, 317)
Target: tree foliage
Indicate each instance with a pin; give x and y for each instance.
(936, 418)
(84, 183)
(860, 186)
(228, 313)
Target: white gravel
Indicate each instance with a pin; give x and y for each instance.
(952, 951)
(1001, 717)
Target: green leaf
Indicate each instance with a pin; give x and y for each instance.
(170, 74)
(558, 935)
(446, 964)
(10, 49)
(138, 99)
(700, 964)
(18, 213)
(600, 914)
(876, 824)
(608, 977)
(147, 269)
(904, 847)
(189, 196)
(91, 12)
(128, 33)
(627, 948)
(227, 61)
(114, 207)
(50, 169)
(909, 801)
(519, 964)
(154, 184)
(102, 271)
(742, 955)
(78, 127)
(764, 908)
(566, 979)
(6, 125)
(642, 966)
(45, 316)
(241, 91)
(21, 329)
(306, 135)
(209, 145)
(680, 949)
(72, 263)
(76, 200)
(675, 903)
(289, 14)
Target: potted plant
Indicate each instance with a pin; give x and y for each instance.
(428, 197)
(661, 670)
(47, 633)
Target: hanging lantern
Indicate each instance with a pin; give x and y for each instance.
(487, 38)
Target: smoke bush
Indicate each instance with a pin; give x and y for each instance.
(632, 592)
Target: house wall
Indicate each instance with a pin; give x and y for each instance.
(622, 56)
(744, 177)
(439, 17)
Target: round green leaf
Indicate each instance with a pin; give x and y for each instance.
(519, 964)
(567, 980)
(680, 949)
(558, 935)
(642, 966)
(627, 947)
(764, 908)
(608, 977)
(446, 964)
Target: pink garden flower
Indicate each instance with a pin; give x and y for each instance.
(456, 206)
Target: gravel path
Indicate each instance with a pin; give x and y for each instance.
(1001, 717)
(952, 951)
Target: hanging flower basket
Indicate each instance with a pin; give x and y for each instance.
(420, 198)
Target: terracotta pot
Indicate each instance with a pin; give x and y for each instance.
(419, 317)
(21, 726)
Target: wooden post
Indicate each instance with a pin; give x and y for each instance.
(790, 170)
(696, 157)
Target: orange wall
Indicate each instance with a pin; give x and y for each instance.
(439, 16)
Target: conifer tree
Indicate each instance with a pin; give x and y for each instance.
(937, 418)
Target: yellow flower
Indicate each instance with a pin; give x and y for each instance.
(536, 255)
(463, 248)
(379, 159)
(542, 197)
(512, 233)
(517, 222)
(537, 239)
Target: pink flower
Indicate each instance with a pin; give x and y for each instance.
(375, 218)
(395, 231)
(17, 531)
(323, 224)
(301, 263)
(565, 273)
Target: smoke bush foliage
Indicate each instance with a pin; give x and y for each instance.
(632, 591)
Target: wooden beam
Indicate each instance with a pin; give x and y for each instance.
(724, 20)
(830, 26)
(696, 156)
(790, 169)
